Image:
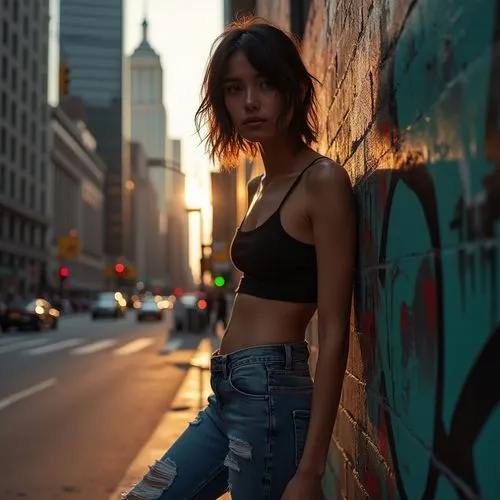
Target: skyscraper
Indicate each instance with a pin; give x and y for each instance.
(149, 127)
(24, 165)
(91, 45)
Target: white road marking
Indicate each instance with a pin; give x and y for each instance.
(14, 398)
(22, 345)
(7, 340)
(171, 345)
(94, 347)
(54, 347)
(134, 346)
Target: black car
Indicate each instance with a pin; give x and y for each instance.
(34, 314)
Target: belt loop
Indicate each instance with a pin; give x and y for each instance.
(225, 367)
(288, 357)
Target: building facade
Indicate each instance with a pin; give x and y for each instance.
(146, 217)
(178, 230)
(78, 191)
(91, 46)
(149, 127)
(24, 163)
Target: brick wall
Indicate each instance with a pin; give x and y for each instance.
(410, 106)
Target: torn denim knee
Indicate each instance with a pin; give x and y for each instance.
(237, 448)
(159, 477)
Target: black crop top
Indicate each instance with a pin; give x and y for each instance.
(274, 264)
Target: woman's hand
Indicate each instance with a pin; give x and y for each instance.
(303, 487)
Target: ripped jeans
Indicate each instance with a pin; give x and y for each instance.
(251, 436)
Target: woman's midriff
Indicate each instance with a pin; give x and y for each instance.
(255, 321)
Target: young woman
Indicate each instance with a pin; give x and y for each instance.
(266, 430)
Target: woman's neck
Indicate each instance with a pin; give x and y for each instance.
(280, 157)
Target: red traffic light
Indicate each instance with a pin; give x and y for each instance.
(119, 268)
(63, 272)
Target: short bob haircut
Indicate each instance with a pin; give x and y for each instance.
(275, 55)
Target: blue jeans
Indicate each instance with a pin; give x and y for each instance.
(251, 436)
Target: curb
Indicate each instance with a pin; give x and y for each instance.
(190, 398)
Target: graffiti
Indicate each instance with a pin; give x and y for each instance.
(427, 303)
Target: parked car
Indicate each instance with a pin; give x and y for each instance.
(109, 305)
(190, 312)
(150, 308)
(35, 314)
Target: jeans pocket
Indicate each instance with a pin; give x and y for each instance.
(290, 381)
(250, 381)
(300, 426)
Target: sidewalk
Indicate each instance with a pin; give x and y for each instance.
(191, 397)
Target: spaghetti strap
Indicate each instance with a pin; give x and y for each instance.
(296, 181)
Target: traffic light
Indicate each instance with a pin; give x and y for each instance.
(120, 269)
(63, 276)
(64, 80)
(219, 281)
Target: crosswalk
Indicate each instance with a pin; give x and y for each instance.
(74, 347)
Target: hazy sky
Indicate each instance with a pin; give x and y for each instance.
(181, 32)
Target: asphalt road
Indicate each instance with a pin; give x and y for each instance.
(78, 403)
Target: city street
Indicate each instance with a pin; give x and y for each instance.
(78, 403)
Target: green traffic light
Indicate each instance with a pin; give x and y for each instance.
(219, 281)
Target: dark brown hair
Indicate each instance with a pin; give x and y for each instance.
(275, 55)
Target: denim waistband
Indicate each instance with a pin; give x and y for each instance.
(286, 354)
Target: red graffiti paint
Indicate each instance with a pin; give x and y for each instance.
(368, 326)
(383, 440)
(371, 485)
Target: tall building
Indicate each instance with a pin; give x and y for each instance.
(149, 127)
(24, 165)
(178, 228)
(145, 217)
(78, 206)
(91, 46)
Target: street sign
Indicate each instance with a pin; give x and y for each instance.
(69, 247)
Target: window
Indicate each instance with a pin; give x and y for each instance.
(14, 43)
(5, 37)
(13, 148)
(42, 201)
(25, 58)
(3, 105)
(24, 91)
(23, 190)
(5, 68)
(13, 83)
(12, 228)
(32, 197)
(3, 141)
(12, 182)
(24, 124)
(24, 158)
(13, 113)
(2, 178)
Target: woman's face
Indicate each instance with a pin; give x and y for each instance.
(253, 104)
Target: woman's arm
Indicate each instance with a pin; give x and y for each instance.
(333, 217)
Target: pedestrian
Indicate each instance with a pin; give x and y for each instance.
(266, 430)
